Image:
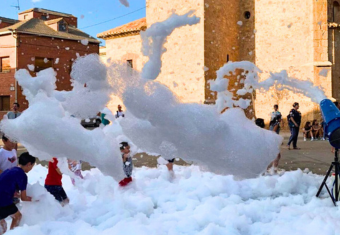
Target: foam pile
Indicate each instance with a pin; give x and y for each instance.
(194, 203)
(51, 127)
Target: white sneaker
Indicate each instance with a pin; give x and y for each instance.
(312, 139)
(323, 138)
(304, 139)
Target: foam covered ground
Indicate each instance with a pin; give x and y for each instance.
(194, 202)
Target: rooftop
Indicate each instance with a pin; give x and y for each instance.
(8, 20)
(38, 27)
(42, 10)
(48, 22)
(132, 27)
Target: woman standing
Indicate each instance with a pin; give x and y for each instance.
(294, 119)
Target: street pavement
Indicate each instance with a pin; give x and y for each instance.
(313, 155)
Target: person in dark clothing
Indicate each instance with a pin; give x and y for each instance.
(294, 119)
(11, 180)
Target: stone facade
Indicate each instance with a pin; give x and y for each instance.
(183, 62)
(301, 37)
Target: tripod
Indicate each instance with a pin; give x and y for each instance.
(336, 184)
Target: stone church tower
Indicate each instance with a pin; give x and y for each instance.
(301, 37)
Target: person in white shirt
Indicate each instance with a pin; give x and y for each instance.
(119, 112)
(8, 155)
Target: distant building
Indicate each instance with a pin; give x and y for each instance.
(102, 53)
(39, 40)
(301, 37)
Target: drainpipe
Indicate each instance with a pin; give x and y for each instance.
(16, 63)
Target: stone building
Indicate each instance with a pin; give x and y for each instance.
(102, 53)
(38, 40)
(301, 37)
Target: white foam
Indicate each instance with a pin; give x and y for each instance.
(194, 202)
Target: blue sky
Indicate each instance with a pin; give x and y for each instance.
(89, 12)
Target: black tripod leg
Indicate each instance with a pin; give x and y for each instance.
(324, 182)
(336, 181)
(330, 194)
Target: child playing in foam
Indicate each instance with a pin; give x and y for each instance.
(11, 180)
(75, 167)
(127, 163)
(53, 182)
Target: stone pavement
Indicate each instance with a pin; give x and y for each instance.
(314, 155)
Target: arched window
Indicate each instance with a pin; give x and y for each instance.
(336, 12)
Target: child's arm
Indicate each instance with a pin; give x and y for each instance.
(125, 157)
(58, 171)
(24, 196)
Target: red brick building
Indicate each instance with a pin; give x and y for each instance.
(38, 40)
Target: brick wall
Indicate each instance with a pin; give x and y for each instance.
(31, 46)
(7, 49)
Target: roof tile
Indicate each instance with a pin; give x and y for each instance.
(38, 27)
(133, 26)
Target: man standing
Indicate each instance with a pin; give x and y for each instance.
(15, 113)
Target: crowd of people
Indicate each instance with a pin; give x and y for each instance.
(313, 130)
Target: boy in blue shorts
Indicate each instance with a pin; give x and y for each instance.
(11, 180)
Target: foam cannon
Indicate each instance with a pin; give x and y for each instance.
(331, 118)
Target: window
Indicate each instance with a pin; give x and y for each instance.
(130, 63)
(42, 63)
(4, 63)
(25, 17)
(43, 17)
(336, 12)
(62, 27)
(5, 103)
(247, 15)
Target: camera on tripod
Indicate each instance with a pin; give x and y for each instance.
(331, 117)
